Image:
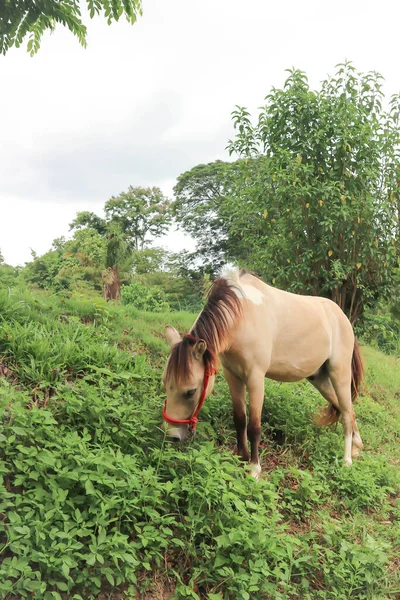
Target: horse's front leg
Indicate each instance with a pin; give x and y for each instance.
(255, 385)
(238, 394)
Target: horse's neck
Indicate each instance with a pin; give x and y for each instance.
(225, 343)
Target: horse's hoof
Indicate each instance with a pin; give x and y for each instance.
(255, 470)
(348, 462)
(355, 452)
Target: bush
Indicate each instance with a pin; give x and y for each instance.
(381, 328)
(145, 298)
(8, 276)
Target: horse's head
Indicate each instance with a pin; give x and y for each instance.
(188, 380)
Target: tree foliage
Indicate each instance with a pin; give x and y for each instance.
(31, 18)
(149, 260)
(140, 214)
(8, 274)
(70, 264)
(201, 209)
(316, 201)
(313, 202)
(131, 219)
(145, 297)
(43, 270)
(89, 219)
(87, 246)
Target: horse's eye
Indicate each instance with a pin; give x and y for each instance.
(191, 393)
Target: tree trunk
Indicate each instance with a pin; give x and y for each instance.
(350, 299)
(111, 284)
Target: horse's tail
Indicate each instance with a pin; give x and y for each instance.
(327, 416)
(357, 371)
(330, 415)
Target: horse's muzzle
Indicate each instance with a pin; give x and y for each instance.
(173, 439)
(179, 434)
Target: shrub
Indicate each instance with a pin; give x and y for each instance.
(145, 298)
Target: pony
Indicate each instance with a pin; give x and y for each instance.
(259, 331)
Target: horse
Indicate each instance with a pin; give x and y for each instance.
(259, 331)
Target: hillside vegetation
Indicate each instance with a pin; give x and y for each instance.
(95, 504)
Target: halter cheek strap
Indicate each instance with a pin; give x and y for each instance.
(192, 422)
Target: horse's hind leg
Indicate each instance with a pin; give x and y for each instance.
(323, 383)
(341, 381)
(357, 441)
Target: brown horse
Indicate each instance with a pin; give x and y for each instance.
(259, 331)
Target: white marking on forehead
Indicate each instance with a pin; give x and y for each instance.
(250, 293)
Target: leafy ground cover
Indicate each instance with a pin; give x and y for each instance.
(95, 504)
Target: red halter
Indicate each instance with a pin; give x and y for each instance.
(192, 422)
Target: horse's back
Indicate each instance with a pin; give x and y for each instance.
(288, 336)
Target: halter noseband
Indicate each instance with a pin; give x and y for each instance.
(192, 421)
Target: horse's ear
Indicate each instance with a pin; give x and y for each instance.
(199, 348)
(173, 336)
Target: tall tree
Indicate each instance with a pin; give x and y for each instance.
(140, 213)
(320, 213)
(89, 219)
(201, 209)
(22, 18)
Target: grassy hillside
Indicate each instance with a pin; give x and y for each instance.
(95, 504)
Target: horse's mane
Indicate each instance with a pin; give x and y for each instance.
(222, 307)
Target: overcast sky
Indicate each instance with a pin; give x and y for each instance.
(144, 103)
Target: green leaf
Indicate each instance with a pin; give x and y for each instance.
(89, 487)
(19, 430)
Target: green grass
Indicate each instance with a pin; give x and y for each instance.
(93, 500)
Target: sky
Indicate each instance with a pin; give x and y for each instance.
(144, 103)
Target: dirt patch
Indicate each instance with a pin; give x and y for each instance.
(158, 593)
(159, 589)
(7, 373)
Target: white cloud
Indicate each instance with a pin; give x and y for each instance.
(142, 104)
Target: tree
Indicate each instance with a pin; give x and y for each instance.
(76, 263)
(83, 259)
(139, 213)
(319, 213)
(89, 219)
(1, 258)
(116, 250)
(148, 261)
(201, 209)
(22, 18)
(87, 246)
(130, 220)
(43, 270)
